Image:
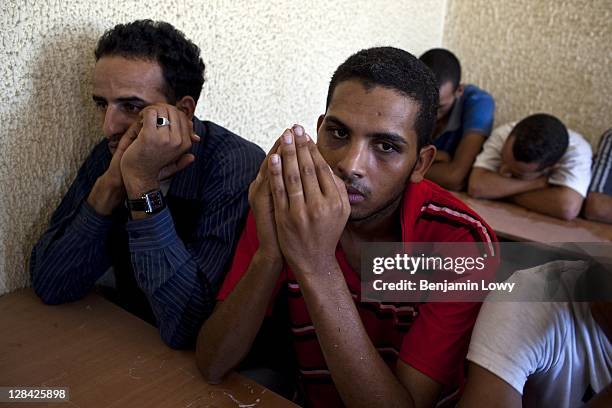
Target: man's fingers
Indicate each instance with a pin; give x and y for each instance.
(262, 175)
(264, 165)
(341, 187)
(177, 138)
(291, 170)
(308, 175)
(149, 118)
(277, 184)
(182, 163)
(160, 133)
(324, 172)
(167, 171)
(128, 137)
(275, 146)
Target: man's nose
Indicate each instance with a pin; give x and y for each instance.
(114, 122)
(354, 161)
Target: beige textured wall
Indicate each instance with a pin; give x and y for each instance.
(538, 56)
(268, 65)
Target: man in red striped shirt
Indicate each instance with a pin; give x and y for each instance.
(312, 207)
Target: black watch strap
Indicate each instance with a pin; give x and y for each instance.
(150, 202)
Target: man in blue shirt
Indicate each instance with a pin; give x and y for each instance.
(158, 203)
(464, 121)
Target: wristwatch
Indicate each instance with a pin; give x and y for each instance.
(150, 202)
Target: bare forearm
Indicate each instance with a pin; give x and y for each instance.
(452, 173)
(348, 351)
(560, 202)
(487, 184)
(485, 389)
(598, 207)
(447, 175)
(227, 336)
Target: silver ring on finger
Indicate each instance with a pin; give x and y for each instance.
(161, 122)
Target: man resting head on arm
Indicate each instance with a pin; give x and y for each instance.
(464, 121)
(536, 163)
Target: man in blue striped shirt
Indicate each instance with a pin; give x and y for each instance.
(158, 203)
(598, 204)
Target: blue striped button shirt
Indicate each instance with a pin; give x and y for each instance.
(602, 166)
(167, 267)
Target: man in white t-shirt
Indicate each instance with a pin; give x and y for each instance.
(536, 163)
(541, 354)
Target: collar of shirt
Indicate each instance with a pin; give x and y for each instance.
(454, 121)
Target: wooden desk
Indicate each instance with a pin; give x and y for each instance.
(520, 224)
(107, 358)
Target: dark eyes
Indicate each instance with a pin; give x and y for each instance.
(130, 107)
(386, 147)
(100, 105)
(381, 146)
(126, 107)
(339, 133)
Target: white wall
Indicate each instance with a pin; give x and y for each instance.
(268, 66)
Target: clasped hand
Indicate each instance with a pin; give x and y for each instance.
(300, 206)
(152, 152)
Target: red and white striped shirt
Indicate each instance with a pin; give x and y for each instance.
(431, 337)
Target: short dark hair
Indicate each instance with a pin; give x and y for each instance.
(158, 41)
(539, 138)
(400, 71)
(444, 64)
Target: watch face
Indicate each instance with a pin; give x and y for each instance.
(150, 202)
(154, 201)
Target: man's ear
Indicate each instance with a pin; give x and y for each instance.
(459, 90)
(424, 160)
(187, 105)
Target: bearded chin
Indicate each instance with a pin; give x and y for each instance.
(381, 212)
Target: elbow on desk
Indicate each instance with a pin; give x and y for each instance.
(481, 185)
(44, 287)
(568, 211)
(49, 297)
(211, 377)
(476, 190)
(209, 359)
(475, 187)
(211, 374)
(569, 215)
